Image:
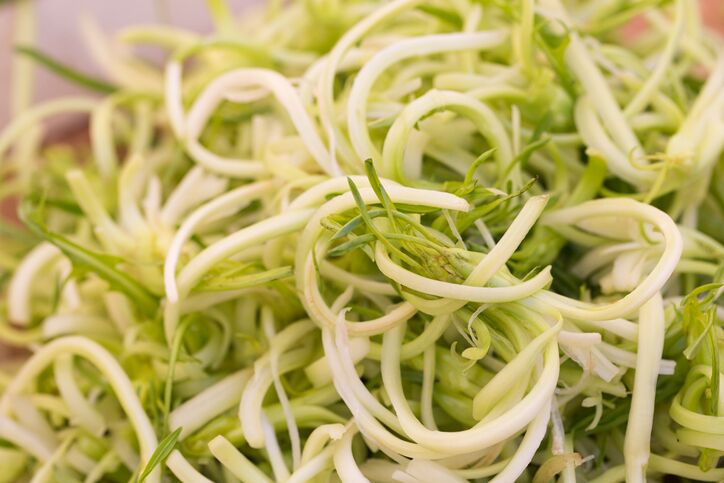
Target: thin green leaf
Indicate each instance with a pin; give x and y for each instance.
(164, 448)
(590, 182)
(350, 245)
(357, 221)
(537, 141)
(416, 209)
(554, 45)
(371, 226)
(379, 190)
(235, 282)
(65, 71)
(351, 225)
(714, 384)
(469, 176)
(66, 205)
(693, 348)
(103, 265)
(465, 220)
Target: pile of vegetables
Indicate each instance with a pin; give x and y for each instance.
(388, 241)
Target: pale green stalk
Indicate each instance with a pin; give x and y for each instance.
(638, 431)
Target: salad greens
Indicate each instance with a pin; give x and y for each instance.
(388, 241)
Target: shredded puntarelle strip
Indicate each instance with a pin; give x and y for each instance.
(384, 241)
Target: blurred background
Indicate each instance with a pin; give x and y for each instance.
(58, 32)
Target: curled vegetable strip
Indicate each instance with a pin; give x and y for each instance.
(485, 433)
(456, 321)
(643, 96)
(39, 113)
(212, 401)
(348, 388)
(432, 332)
(250, 406)
(325, 87)
(430, 470)
(320, 436)
(344, 462)
(343, 277)
(509, 242)
(598, 140)
(653, 282)
(80, 408)
(195, 188)
(237, 199)
(261, 231)
(316, 465)
(696, 139)
(533, 436)
(285, 93)
(19, 289)
(236, 462)
(481, 115)
(458, 291)
(174, 98)
(304, 265)
(397, 52)
(183, 470)
(102, 130)
(594, 84)
(25, 439)
(494, 260)
(244, 238)
(114, 374)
